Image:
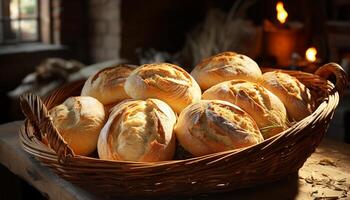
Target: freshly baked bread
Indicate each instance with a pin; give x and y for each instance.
(295, 96)
(211, 126)
(163, 81)
(79, 121)
(224, 67)
(138, 130)
(266, 109)
(107, 85)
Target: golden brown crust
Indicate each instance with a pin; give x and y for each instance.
(107, 85)
(138, 130)
(211, 126)
(266, 109)
(79, 121)
(295, 96)
(164, 81)
(223, 67)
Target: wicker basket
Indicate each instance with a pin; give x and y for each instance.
(268, 161)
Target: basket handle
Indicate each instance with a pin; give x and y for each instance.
(334, 69)
(37, 113)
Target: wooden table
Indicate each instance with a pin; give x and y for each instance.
(325, 174)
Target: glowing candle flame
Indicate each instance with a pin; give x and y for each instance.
(310, 54)
(281, 13)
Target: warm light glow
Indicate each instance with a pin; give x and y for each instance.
(310, 54)
(281, 13)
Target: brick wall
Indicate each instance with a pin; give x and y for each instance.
(118, 29)
(104, 29)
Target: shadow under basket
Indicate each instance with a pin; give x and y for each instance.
(271, 160)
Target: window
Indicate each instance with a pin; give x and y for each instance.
(19, 21)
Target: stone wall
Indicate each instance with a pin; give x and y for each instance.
(104, 29)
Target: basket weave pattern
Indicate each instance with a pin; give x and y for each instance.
(270, 160)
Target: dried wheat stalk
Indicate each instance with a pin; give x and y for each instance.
(223, 32)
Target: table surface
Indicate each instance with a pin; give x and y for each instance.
(325, 175)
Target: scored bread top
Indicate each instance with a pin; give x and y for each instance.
(223, 67)
(138, 130)
(294, 94)
(164, 81)
(212, 126)
(266, 108)
(288, 83)
(79, 121)
(155, 75)
(107, 85)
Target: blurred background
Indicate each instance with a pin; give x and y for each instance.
(45, 43)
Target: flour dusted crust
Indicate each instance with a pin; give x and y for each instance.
(79, 121)
(263, 106)
(138, 130)
(163, 81)
(223, 67)
(211, 126)
(107, 85)
(295, 96)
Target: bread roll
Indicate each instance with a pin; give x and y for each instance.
(266, 109)
(107, 85)
(79, 121)
(224, 67)
(138, 130)
(295, 96)
(163, 81)
(211, 126)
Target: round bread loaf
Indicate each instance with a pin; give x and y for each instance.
(266, 109)
(107, 85)
(224, 67)
(79, 121)
(163, 81)
(295, 96)
(138, 130)
(211, 126)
